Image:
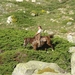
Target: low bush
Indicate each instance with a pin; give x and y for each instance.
(13, 52)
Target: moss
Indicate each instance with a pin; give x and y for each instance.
(46, 70)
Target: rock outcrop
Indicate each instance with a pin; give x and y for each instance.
(38, 68)
(72, 50)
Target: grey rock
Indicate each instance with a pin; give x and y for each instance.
(32, 67)
(72, 50)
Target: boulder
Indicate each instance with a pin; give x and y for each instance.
(19, 0)
(50, 73)
(33, 0)
(70, 37)
(33, 68)
(72, 50)
(11, 19)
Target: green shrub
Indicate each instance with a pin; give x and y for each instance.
(63, 30)
(12, 39)
(12, 57)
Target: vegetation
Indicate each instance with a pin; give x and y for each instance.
(51, 15)
(13, 52)
(46, 70)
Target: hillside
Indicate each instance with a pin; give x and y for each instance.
(50, 14)
(53, 15)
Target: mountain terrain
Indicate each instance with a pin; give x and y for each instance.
(21, 19)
